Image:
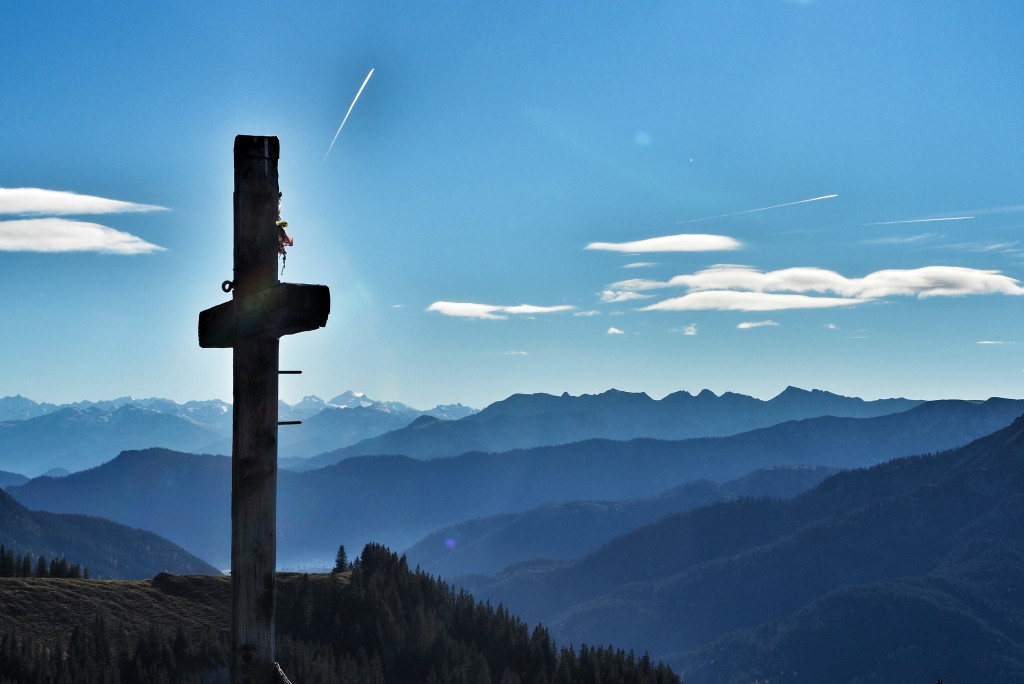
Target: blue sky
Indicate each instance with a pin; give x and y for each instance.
(493, 145)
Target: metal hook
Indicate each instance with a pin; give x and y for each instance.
(227, 286)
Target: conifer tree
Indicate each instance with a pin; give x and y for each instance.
(340, 560)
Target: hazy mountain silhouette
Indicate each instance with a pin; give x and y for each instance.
(564, 531)
(11, 479)
(79, 438)
(20, 408)
(529, 420)
(398, 500)
(183, 497)
(107, 549)
(867, 577)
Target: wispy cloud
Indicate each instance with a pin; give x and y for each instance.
(984, 247)
(920, 220)
(756, 324)
(1007, 209)
(615, 331)
(901, 240)
(831, 326)
(639, 264)
(517, 353)
(617, 296)
(63, 235)
(37, 201)
(687, 242)
(491, 312)
(688, 330)
(991, 342)
(587, 313)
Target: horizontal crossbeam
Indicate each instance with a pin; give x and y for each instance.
(282, 309)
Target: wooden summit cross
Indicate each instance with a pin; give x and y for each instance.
(262, 309)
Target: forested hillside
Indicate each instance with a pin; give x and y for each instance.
(375, 622)
(108, 549)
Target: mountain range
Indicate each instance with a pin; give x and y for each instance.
(35, 438)
(76, 438)
(531, 420)
(907, 570)
(398, 500)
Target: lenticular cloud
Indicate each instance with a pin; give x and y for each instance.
(688, 242)
(490, 311)
(51, 235)
(37, 201)
(740, 288)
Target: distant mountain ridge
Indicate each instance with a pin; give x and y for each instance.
(76, 438)
(40, 437)
(35, 438)
(213, 412)
(532, 420)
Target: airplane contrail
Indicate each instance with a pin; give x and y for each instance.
(750, 211)
(365, 81)
(950, 218)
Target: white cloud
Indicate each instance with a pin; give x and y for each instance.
(517, 353)
(687, 242)
(467, 310)
(531, 309)
(726, 300)
(727, 282)
(615, 331)
(28, 201)
(831, 326)
(756, 324)
(489, 311)
(932, 281)
(587, 313)
(690, 330)
(991, 342)
(639, 264)
(63, 235)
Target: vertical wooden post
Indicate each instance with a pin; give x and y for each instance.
(261, 310)
(254, 429)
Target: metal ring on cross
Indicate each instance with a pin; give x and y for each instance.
(227, 286)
